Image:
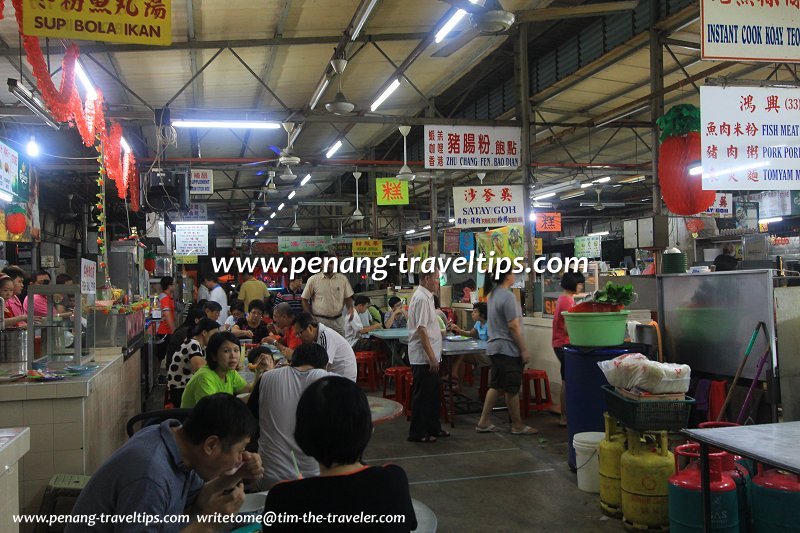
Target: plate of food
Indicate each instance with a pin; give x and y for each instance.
(457, 338)
(38, 375)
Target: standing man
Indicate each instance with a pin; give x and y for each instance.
(425, 355)
(292, 296)
(217, 294)
(167, 325)
(341, 357)
(202, 291)
(252, 289)
(42, 277)
(326, 294)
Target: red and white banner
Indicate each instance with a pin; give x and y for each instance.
(472, 147)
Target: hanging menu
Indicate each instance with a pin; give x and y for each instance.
(191, 239)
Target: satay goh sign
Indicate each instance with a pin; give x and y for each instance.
(120, 21)
(749, 138)
(482, 206)
(472, 147)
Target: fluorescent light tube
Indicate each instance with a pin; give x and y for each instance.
(32, 103)
(696, 170)
(585, 185)
(305, 180)
(449, 25)
(598, 234)
(545, 205)
(291, 195)
(543, 196)
(6, 197)
(386, 94)
(319, 91)
(362, 19)
(91, 94)
(411, 232)
(603, 180)
(272, 215)
(770, 220)
(193, 222)
(227, 124)
(125, 146)
(452, 221)
(426, 227)
(570, 195)
(333, 149)
(634, 179)
(281, 206)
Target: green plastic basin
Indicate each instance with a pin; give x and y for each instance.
(596, 329)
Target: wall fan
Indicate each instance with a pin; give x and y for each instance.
(488, 17)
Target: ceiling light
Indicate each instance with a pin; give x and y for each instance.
(125, 146)
(585, 185)
(634, 179)
(411, 232)
(193, 222)
(91, 94)
(557, 188)
(291, 195)
(426, 227)
(227, 124)
(532, 217)
(318, 92)
(305, 180)
(333, 149)
(546, 205)
(386, 94)
(770, 220)
(598, 234)
(263, 225)
(452, 221)
(696, 170)
(362, 19)
(272, 215)
(32, 148)
(449, 25)
(543, 196)
(6, 197)
(32, 103)
(281, 206)
(573, 194)
(603, 180)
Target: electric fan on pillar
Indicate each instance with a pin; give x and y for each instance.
(681, 150)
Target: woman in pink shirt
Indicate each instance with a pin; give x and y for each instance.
(572, 283)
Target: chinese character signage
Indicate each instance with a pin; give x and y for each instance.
(452, 241)
(537, 246)
(391, 191)
(297, 243)
(191, 239)
(750, 30)
(202, 181)
(88, 276)
(589, 246)
(196, 211)
(186, 259)
(548, 222)
(722, 206)
(367, 248)
(504, 242)
(9, 169)
(479, 206)
(472, 147)
(119, 21)
(265, 248)
(750, 138)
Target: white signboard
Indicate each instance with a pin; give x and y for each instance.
(481, 206)
(750, 30)
(197, 211)
(722, 206)
(191, 239)
(88, 277)
(472, 147)
(750, 138)
(9, 168)
(202, 181)
(772, 203)
(589, 246)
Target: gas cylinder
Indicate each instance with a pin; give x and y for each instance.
(611, 449)
(644, 479)
(776, 498)
(686, 494)
(747, 466)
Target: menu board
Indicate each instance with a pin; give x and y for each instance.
(191, 239)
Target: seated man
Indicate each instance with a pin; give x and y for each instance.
(397, 316)
(212, 310)
(341, 357)
(252, 327)
(274, 402)
(284, 337)
(173, 469)
(355, 330)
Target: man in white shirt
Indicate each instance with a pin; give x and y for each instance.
(425, 354)
(352, 330)
(217, 294)
(341, 358)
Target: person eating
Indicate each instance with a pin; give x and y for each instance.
(219, 374)
(252, 327)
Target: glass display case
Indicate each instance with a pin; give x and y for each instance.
(550, 289)
(62, 334)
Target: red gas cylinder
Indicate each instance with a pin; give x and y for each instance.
(776, 497)
(686, 496)
(746, 465)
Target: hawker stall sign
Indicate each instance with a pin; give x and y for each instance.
(367, 248)
(202, 181)
(750, 30)
(548, 222)
(481, 206)
(191, 239)
(312, 243)
(391, 191)
(88, 276)
(472, 147)
(9, 169)
(588, 246)
(722, 206)
(749, 138)
(119, 21)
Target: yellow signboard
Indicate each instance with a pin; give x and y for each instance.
(504, 242)
(537, 246)
(391, 191)
(367, 248)
(185, 259)
(421, 250)
(118, 21)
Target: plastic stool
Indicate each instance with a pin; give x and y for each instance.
(469, 374)
(399, 375)
(538, 403)
(444, 411)
(59, 498)
(367, 365)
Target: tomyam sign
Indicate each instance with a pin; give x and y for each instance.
(121, 21)
(483, 206)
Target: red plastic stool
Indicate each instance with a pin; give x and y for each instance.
(444, 410)
(469, 374)
(539, 403)
(399, 374)
(367, 365)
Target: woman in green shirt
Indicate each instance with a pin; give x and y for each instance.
(219, 374)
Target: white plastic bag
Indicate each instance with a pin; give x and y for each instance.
(629, 371)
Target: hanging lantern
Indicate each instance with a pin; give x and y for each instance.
(150, 262)
(680, 150)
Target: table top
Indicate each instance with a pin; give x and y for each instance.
(774, 444)
(426, 518)
(390, 334)
(383, 409)
(473, 346)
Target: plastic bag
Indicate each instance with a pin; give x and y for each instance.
(629, 371)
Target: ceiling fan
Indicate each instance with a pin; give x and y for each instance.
(339, 105)
(488, 17)
(405, 173)
(295, 226)
(599, 205)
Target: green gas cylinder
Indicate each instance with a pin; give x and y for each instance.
(611, 449)
(645, 469)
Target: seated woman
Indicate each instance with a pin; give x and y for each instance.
(259, 361)
(182, 332)
(480, 331)
(334, 426)
(397, 316)
(219, 374)
(237, 312)
(252, 327)
(7, 293)
(188, 359)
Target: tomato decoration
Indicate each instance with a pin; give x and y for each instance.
(16, 220)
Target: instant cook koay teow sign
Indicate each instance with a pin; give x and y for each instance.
(122, 21)
(749, 138)
(472, 147)
(750, 30)
(480, 206)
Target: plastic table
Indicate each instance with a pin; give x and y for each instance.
(383, 409)
(393, 337)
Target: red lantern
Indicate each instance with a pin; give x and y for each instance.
(683, 194)
(150, 264)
